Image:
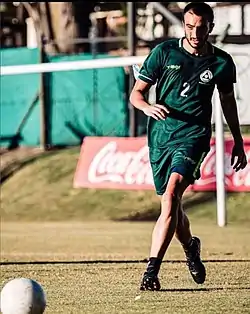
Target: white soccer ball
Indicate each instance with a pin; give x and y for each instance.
(22, 296)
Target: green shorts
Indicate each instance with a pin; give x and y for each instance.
(185, 159)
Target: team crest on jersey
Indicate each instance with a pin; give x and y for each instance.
(206, 76)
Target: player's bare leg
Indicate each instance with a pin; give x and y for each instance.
(167, 222)
(183, 232)
(191, 246)
(164, 230)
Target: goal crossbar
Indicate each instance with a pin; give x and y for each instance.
(72, 65)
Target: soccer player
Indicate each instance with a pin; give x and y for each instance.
(186, 71)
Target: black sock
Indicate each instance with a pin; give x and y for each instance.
(154, 265)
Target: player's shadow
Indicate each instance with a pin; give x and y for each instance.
(208, 289)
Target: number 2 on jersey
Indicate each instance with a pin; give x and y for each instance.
(186, 88)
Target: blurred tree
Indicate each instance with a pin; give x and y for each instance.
(61, 23)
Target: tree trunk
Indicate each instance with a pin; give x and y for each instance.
(63, 26)
(61, 23)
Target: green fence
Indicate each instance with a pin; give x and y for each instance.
(78, 103)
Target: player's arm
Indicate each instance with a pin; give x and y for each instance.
(225, 85)
(229, 108)
(137, 99)
(147, 77)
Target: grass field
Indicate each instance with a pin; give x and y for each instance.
(88, 248)
(96, 267)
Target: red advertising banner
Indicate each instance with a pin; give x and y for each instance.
(123, 163)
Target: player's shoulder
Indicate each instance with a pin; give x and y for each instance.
(168, 44)
(222, 54)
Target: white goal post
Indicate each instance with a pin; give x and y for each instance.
(72, 65)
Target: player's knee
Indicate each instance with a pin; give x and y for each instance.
(170, 196)
(170, 203)
(169, 206)
(173, 192)
(176, 188)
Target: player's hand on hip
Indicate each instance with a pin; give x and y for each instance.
(158, 112)
(239, 159)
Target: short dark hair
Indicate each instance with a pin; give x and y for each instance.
(200, 9)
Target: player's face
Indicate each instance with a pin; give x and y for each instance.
(197, 29)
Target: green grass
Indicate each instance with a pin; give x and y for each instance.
(98, 266)
(88, 248)
(43, 191)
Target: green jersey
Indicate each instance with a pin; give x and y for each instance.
(184, 84)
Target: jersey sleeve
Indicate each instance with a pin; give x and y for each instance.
(227, 77)
(152, 66)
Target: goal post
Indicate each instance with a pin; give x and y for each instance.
(72, 65)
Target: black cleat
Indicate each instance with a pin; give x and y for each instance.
(194, 263)
(150, 282)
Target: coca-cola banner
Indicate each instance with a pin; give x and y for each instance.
(123, 163)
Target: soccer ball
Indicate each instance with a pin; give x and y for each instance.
(22, 296)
